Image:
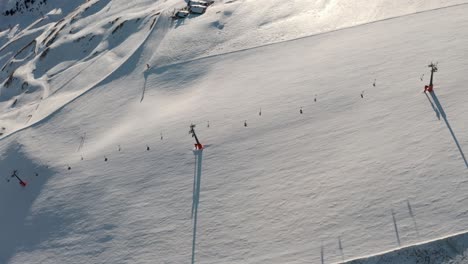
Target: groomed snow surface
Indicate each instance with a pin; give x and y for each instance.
(103, 142)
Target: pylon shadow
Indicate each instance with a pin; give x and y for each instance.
(433, 106)
(411, 213)
(196, 197)
(322, 255)
(397, 234)
(444, 116)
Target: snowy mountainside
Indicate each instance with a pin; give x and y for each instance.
(23, 13)
(12, 8)
(108, 162)
(58, 55)
(77, 44)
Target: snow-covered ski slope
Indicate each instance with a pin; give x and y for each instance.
(52, 53)
(328, 185)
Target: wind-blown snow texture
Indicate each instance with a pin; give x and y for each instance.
(107, 138)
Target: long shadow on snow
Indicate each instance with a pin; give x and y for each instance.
(20, 229)
(196, 199)
(433, 107)
(444, 116)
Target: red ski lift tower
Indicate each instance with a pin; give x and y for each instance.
(21, 182)
(198, 146)
(430, 87)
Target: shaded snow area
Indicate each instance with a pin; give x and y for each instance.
(321, 146)
(446, 250)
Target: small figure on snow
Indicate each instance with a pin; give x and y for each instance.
(300, 111)
(147, 148)
(69, 168)
(315, 98)
(260, 112)
(422, 77)
(362, 94)
(375, 80)
(105, 158)
(208, 124)
(245, 123)
(161, 136)
(119, 147)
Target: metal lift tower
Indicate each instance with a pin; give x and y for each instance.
(430, 87)
(21, 182)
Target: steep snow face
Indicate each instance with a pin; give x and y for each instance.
(55, 59)
(341, 180)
